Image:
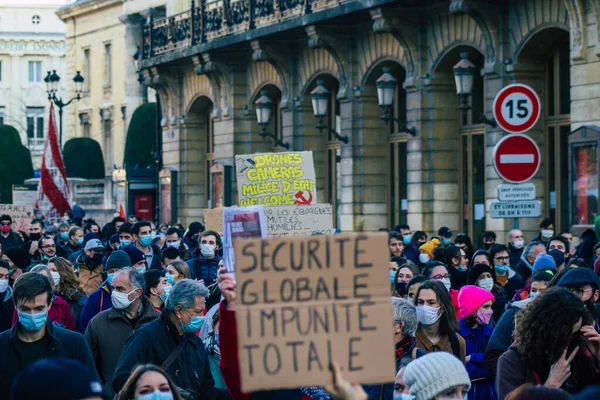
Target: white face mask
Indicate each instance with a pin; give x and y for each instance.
(428, 315)
(547, 233)
(423, 258)
(486, 283)
(3, 285)
(55, 277)
(121, 300)
(447, 283)
(518, 244)
(533, 295)
(175, 244)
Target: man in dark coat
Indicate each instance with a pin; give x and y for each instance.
(6, 301)
(34, 337)
(173, 332)
(205, 264)
(142, 235)
(8, 237)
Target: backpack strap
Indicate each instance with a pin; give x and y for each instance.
(174, 354)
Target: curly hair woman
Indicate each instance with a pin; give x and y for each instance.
(148, 382)
(553, 347)
(68, 286)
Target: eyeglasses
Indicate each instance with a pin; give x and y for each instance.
(49, 246)
(5, 223)
(501, 259)
(438, 277)
(581, 292)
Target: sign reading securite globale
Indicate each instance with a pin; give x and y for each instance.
(515, 209)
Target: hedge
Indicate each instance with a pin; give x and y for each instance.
(83, 159)
(15, 162)
(141, 137)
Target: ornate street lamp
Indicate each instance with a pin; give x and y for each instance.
(386, 90)
(464, 75)
(52, 81)
(320, 101)
(264, 108)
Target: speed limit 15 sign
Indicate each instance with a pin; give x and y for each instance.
(517, 108)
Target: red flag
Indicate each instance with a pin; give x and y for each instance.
(54, 196)
(121, 210)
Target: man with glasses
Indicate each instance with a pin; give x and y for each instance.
(46, 250)
(584, 283)
(506, 276)
(8, 237)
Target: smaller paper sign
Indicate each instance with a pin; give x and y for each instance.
(21, 216)
(241, 222)
(213, 219)
(299, 220)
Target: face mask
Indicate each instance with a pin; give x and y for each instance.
(423, 258)
(403, 396)
(64, 235)
(5, 228)
(121, 300)
(392, 275)
(33, 322)
(428, 315)
(501, 269)
(79, 241)
(406, 239)
(164, 296)
(486, 283)
(35, 236)
(461, 268)
(401, 287)
(145, 240)
(446, 241)
(533, 295)
(170, 278)
(97, 259)
(141, 270)
(484, 316)
(3, 285)
(518, 244)
(207, 251)
(55, 277)
(47, 257)
(157, 395)
(446, 282)
(175, 244)
(125, 243)
(195, 324)
(547, 233)
(109, 278)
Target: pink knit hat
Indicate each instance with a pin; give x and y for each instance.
(471, 298)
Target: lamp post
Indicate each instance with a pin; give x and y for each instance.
(464, 74)
(320, 101)
(264, 108)
(52, 80)
(386, 90)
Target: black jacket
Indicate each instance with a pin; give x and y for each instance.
(7, 308)
(13, 239)
(61, 343)
(514, 255)
(153, 343)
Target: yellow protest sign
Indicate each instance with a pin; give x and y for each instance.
(275, 179)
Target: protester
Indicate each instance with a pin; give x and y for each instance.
(37, 229)
(437, 321)
(90, 266)
(463, 241)
(589, 239)
(211, 344)
(192, 235)
(413, 286)
(138, 259)
(586, 285)
(169, 255)
(445, 235)
(8, 237)
(546, 227)
(488, 239)
(74, 243)
(437, 376)
(475, 305)
(401, 389)
(483, 276)
(176, 271)
(455, 259)
(182, 316)
(559, 259)
(205, 264)
(411, 251)
(6, 301)
(19, 260)
(480, 257)
(396, 244)
(34, 337)
(530, 253)
(149, 382)
(506, 276)
(544, 262)
(68, 287)
(529, 392)
(101, 299)
(426, 251)
(142, 236)
(46, 378)
(174, 240)
(437, 271)
(157, 288)
(108, 331)
(46, 249)
(403, 275)
(515, 246)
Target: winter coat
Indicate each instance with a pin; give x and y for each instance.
(76, 301)
(59, 313)
(453, 344)
(7, 308)
(98, 301)
(75, 255)
(70, 250)
(585, 248)
(106, 335)
(476, 340)
(214, 358)
(514, 255)
(502, 336)
(458, 278)
(184, 251)
(90, 274)
(153, 343)
(204, 268)
(514, 283)
(523, 268)
(13, 239)
(411, 252)
(499, 304)
(61, 343)
(156, 261)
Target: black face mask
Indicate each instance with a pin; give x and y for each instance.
(35, 236)
(487, 245)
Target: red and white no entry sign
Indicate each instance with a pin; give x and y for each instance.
(517, 108)
(516, 158)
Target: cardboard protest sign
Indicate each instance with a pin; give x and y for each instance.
(240, 222)
(21, 216)
(306, 301)
(299, 220)
(213, 219)
(275, 179)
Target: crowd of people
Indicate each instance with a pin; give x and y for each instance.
(137, 310)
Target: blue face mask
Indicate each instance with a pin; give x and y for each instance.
(406, 239)
(170, 278)
(33, 322)
(125, 243)
(141, 270)
(446, 241)
(195, 324)
(501, 269)
(462, 269)
(46, 257)
(79, 241)
(146, 240)
(164, 296)
(64, 235)
(110, 277)
(403, 396)
(392, 275)
(157, 395)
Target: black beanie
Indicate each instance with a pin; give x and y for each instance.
(477, 270)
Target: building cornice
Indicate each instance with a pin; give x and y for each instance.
(80, 8)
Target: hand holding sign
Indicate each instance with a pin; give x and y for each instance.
(227, 287)
(341, 388)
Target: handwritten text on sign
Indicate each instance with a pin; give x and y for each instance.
(306, 301)
(275, 179)
(299, 220)
(21, 216)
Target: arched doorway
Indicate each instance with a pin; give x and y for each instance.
(198, 150)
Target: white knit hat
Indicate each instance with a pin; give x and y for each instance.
(433, 373)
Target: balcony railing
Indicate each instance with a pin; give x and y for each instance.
(218, 18)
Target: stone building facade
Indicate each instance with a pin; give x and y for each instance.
(211, 62)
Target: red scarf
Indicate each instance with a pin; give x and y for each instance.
(403, 346)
